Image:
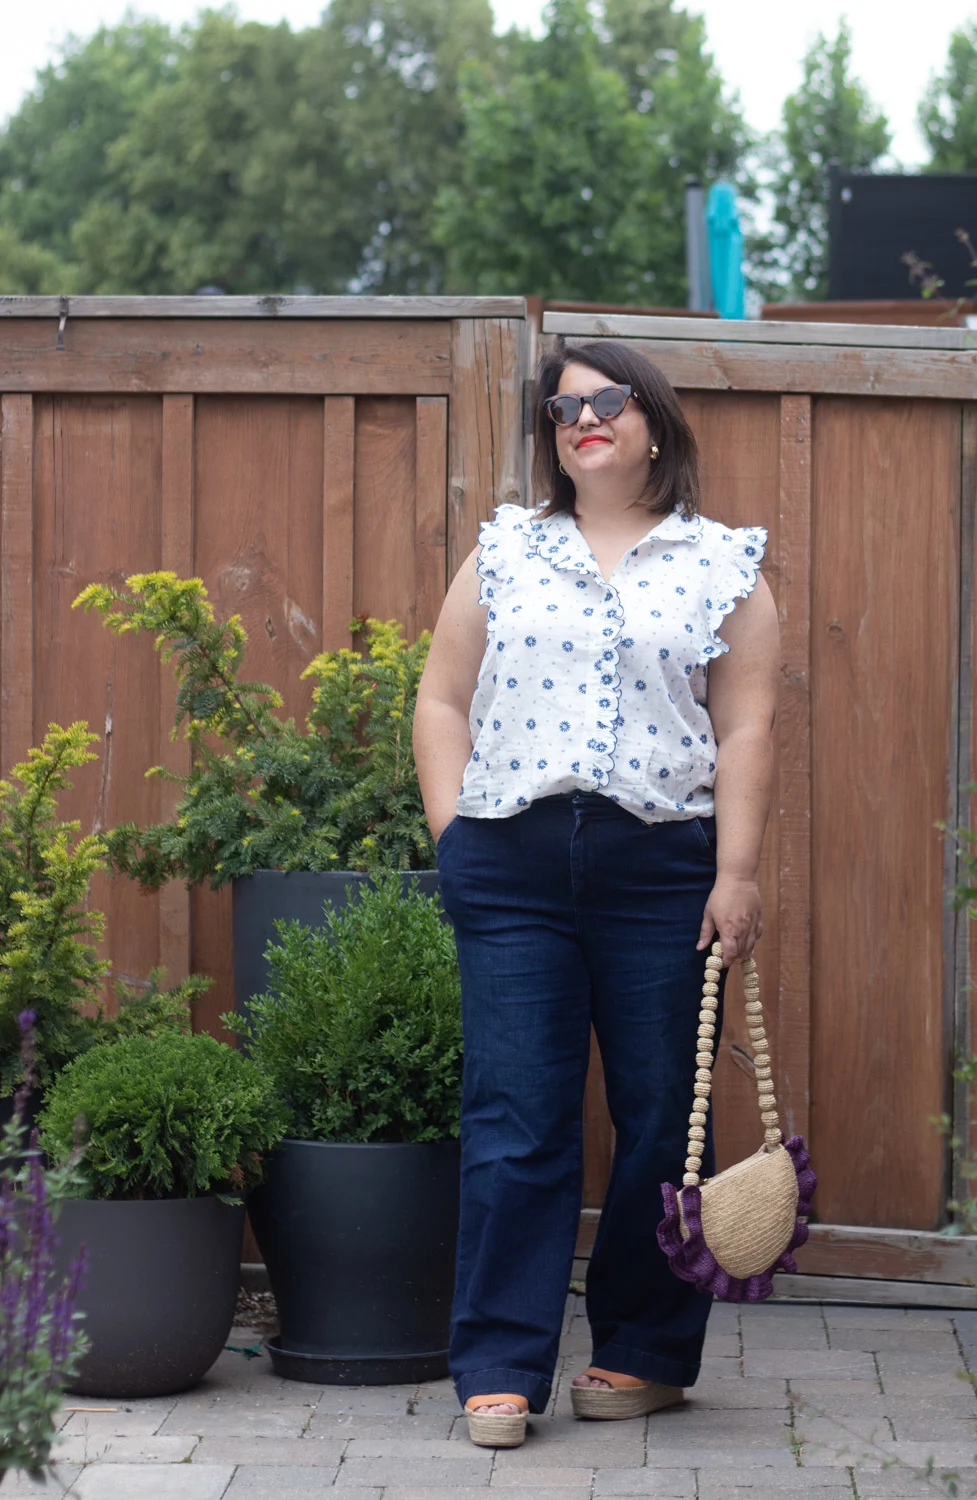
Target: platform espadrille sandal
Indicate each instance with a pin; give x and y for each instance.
(495, 1429)
(601, 1405)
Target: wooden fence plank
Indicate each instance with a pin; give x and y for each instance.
(793, 731)
(800, 369)
(431, 507)
(220, 356)
(97, 517)
(258, 488)
(486, 456)
(271, 306)
(338, 477)
(886, 482)
(733, 331)
(739, 440)
(869, 1292)
(965, 1029)
(385, 501)
(16, 578)
(176, 555)
(958, 937)
(889, 1254)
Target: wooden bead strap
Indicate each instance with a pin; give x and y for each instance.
(704, 1061)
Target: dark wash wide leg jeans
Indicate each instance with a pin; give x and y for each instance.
(570, 913)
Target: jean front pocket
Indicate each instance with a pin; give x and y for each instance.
(703, 834)
(441, 835)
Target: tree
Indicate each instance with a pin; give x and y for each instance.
(573, 159)
(246, 156)
(830, 118)
(54, 152)
(196, 192)
(30, 270)
(661, 54)
(948, 113)
(377, 129)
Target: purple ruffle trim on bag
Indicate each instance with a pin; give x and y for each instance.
(692, 1260)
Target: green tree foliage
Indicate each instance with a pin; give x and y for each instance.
(196, 194)
(360, 1031)
(573, 164)
(377, 126)
(948, 113)
(259, 159)
(56, 153)
(242, 155)
(28, 269)
(830, 118)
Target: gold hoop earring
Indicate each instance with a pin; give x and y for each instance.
(654, 451)
(563, 470)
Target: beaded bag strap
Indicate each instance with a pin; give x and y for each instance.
(704, 1061)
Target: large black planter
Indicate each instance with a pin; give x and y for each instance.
(160, 1290)
(261, 899)
(359, 1243)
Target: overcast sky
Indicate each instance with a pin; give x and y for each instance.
(757, 44)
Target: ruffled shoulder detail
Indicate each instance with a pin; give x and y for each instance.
(510, 531)
(734, 555)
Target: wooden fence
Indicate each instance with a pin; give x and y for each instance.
(315, 458)
(309, 459)
(857, 448)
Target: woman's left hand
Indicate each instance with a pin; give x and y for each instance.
(733, 912)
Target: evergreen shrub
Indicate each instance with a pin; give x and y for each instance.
(48, 940)
(166, 1116)
(360, 1029)
(337, 793)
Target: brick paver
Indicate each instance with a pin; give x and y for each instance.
(826, 1403)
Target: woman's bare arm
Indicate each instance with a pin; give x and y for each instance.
(742, 698)
(442, 743)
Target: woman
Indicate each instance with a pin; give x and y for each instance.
(614, 755)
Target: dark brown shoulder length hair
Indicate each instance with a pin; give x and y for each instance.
(673, 478)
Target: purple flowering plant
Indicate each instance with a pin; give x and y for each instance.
(41, 1341)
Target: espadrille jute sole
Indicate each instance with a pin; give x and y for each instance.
(492, 1429)
(615, 1406)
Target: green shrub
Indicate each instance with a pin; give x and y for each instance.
(48, 940)
(151, 1010)
(360, 1030)
(264, 793)
(165, 1116)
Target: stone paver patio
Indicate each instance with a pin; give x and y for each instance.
(820, 1401)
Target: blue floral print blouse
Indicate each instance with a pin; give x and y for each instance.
(589, 685)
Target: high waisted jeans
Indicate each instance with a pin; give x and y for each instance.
(571, 913)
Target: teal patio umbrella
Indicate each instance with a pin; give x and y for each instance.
(725, 251)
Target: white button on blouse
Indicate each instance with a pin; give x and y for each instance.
(589, 685)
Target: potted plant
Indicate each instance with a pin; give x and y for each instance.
(360, 1034)
(173, 1128)
(294, 815)
(48, 960)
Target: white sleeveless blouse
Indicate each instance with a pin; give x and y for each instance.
(589, 685)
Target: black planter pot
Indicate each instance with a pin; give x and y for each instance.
(359, 1242)
(159, 1293)
(261, 899)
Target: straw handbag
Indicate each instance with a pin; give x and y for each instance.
(729, 1235)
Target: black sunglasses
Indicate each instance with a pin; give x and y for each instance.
(607, 402)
